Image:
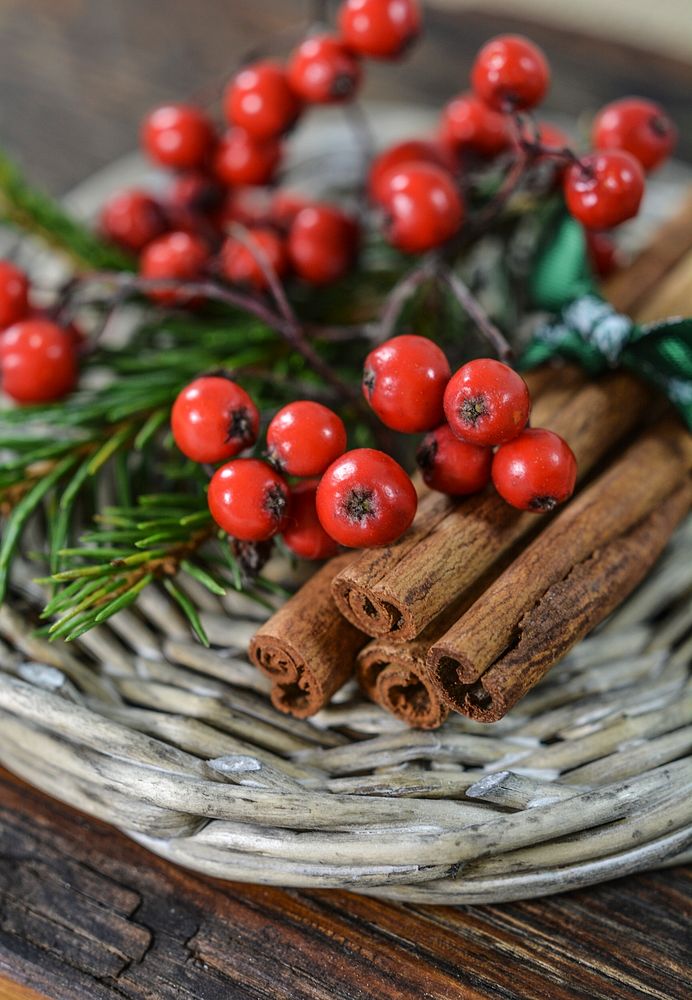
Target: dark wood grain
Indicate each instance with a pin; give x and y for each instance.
(87, 915)
(76, 76)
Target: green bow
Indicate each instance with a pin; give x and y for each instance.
(588, 330)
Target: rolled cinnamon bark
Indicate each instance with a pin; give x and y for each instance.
(307, 649)
(400, 589)
(394, 675)
(568, 579)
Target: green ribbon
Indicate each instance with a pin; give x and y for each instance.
(588, 330)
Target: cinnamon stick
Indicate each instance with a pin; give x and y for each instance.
(307, 650)
(566, 581)
(393, 674)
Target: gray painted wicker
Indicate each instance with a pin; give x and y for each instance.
(587, 779)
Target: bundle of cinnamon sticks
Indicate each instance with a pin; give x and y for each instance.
(471, 607)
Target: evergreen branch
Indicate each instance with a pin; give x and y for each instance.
(32, 211)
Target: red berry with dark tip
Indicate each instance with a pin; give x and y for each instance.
(409, 151)
(176, 257)
(638, 126)
(604, 189)
(245, 261)
(213, 419)
(486, 402)
(404, 382)
(132, 219)
(379, 29)
(422, 205)
(242, 159)
(303, 533)
(365, 499)
(452, 466)
(305, 437)
(38, 361)
(260, 100)
(322, 243)
(248, 499)
(536, 471)
(179, 136)
(323, 70)
(468, 123)
(14, 294)
(510, 73)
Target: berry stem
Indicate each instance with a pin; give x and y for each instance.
(402, 291)
(472, 307)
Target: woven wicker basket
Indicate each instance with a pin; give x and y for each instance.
(179, 747)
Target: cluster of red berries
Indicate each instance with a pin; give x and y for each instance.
(484, 406)
(354, 498)
(39, 360)
(221, 179)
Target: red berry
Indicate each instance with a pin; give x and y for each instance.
(195, 191)
(365, 498)
(604, 189)
(248, 499)
(38, 360)
(242, 262)
(380, 29)
(284, 207)
(410, 151)
(322, 243)
(486, 402)
(14, 294)
(251, 206)
(510, 73)
(132, 219)
(536, 471)
(640, 127)
(322, 70)
(453, 466)
(177, 257)
(603, 253)
(178, 136)
(213, 419)
(305, 437)
(423, 206)
(260, 100)
(241, 159)
(303, 533)
(469, 124)
(404, 382)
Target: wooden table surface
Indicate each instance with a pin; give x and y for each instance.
(84, 913)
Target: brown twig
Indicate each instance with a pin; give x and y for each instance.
(471, 306)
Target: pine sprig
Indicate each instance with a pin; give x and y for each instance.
(31, 211)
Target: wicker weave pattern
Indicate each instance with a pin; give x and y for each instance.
(588, 778)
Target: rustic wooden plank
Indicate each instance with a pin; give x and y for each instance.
(161, 932)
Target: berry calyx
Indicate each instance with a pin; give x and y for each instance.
(536, 471)
(242, 159)
(305, 437)
(178, 135)
(38, 361)
(242, 262)
(452, 466)
(510, 73)
(213, 419)
(365, 499)
(467, 123)
(132, 219)
(174, 257)
(486, 402)
(422, 205)
(409, 151)
(14, 294)
(323, 70)
(322, 243)
(303, 533)
(248, 499)
(260, 100)
(604, 189)
(638, 126)
(404, 381)
(380, 29)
